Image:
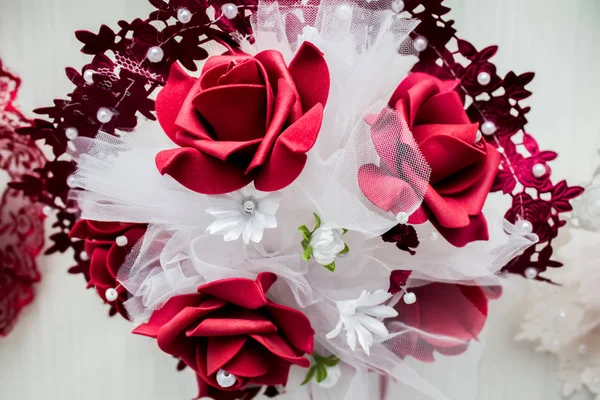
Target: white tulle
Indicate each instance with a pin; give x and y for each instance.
(119, 182)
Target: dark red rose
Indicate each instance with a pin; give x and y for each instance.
(447, 317)
(230, 325)
(245, 119)
(105, 256)
(462, 168)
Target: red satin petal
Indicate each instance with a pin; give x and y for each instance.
(283, 106)
(117, 254)
(420, 216)
(311, 76)
(289, 153)
(221, 350)
(384, 190)
(473, 199)
(277, 375)
(99, 274)
(443, 108)
(461, 318)
(242, 292)
(210, 77)
(98, 229)
(294, 325)
(220, 149)
(235, 112)
(281, 348)
(448, 149)
(201, 173)
(170, 99)
(412, 92)
(477, 229)
(225, 59)
(447, 211)
(276, 69)
(244, 72)
(265, 280)
(252, 361)
(171, 308)
(228, 326)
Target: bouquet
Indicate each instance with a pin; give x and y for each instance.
(310, 196)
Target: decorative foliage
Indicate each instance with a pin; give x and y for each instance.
(319, 367)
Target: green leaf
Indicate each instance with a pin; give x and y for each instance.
(345, 251)
(344, 231)
(330, 361)
(307, 253)
(309, 375)
(318, 221)
(330, 267)
(321, 373)
(305, 232)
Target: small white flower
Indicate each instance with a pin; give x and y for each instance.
(361, 319)
(326, 243)
(246, 213)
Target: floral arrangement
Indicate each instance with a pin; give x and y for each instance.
(21, 219)
(309, 189)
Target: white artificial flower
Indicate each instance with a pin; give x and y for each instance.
(361, 319)
(333, 376)
(587, 208)
(246, 213)
(326, 243)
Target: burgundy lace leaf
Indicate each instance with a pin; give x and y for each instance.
(404, 236)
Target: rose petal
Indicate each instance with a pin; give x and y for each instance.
(201, 173)
(447, 211)
(230, 326)
(99, 274)
(252, 361)
(294, 325)
(289, 153)
(234, 112)
(477, 229)
(243, 72)
(311, 76)
(277, 375)
(386, 191)
(242, 292)
(281, 348)
(221, 350)
(443, 108)
(171, 98)
(223, 150)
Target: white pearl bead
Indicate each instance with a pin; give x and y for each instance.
(47, 210)
(421, 43)
(184, 15)
(500, 150)
(71, 182)
(111, 294)
(562, 315)
(531, 273)
(409, 298)
(225, 379)
(84, 256)
(478, 137)
(433, 236)
(229, 10)
(71, 147)
(343, 12)
(155, 54)
(488, 128)
(397, 6)
(249, 206)
(121, 241)
(539, 170)
(402, 217)
(484, 78)
(71, 133)
(104, 115)
(88, 75)
(524, 225)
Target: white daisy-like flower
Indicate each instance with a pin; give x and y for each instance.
(246, 213)
(362, 319)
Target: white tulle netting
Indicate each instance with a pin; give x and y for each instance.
(119, 182)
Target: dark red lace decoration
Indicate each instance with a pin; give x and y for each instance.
(121, 78)
(21, 220)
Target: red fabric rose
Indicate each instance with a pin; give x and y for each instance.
(105, 256)
(245, 119)
(462, 170)
(230, 325)
(449, 315)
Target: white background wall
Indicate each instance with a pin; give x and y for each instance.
(66, 348)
